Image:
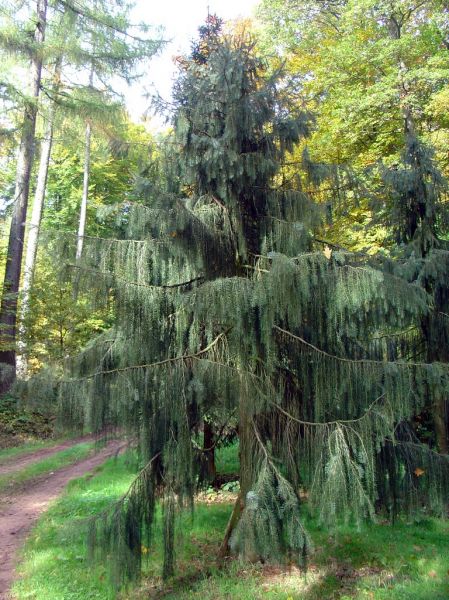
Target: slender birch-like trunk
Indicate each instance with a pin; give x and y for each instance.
(8, 310)
(34, 226)
(83, 210)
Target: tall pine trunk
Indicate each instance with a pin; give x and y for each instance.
(440, 418)
(8, 310)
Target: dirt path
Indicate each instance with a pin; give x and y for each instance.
(15, 464)
(18, 513)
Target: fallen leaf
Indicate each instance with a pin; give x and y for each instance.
(418, 471)
(327, 252)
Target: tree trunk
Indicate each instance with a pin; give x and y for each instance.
(209, 450)
(233, 520)
(246, 439)
(83, 210)
(440, 417)
(34, 227)
(8, 310)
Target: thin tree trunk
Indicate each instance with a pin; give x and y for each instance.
(232, 523)
(33, 233)
(8, 310)
(209, 449)
(83, 210)
(246, 437)
(440, 418)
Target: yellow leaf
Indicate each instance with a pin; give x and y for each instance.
(418, 472)
(327, 252)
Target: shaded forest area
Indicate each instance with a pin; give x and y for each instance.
(255, 298)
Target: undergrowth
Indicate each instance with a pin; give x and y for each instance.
(19, 425)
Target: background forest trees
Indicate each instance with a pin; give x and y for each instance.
(81, 39)
(357, 71)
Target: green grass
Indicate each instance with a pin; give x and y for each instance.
(47, 465)
(405, 562)
(227, 459)
(17, 451)
(409, 561)
(54, 563)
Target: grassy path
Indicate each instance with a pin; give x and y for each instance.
(20, 510)
(22, 476)
(15, 459)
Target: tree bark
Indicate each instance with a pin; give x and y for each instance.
(233, 520)
(83, 210)
(246, 439)
(34, 227)
(8, 310)
(440, 418)
(209, 449)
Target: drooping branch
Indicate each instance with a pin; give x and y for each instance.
(159, 363)
(366, 361)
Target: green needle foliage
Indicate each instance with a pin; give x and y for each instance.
(224, 306)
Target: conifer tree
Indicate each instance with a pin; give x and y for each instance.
(224, 304)
(410, 216)
(418, 218)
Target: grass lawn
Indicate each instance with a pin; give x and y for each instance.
(47, 465)
(379, 562)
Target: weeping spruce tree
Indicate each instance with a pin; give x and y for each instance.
(419, 221)
(226, 306)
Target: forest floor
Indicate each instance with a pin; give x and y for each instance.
(30, 482)
(407, 561)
